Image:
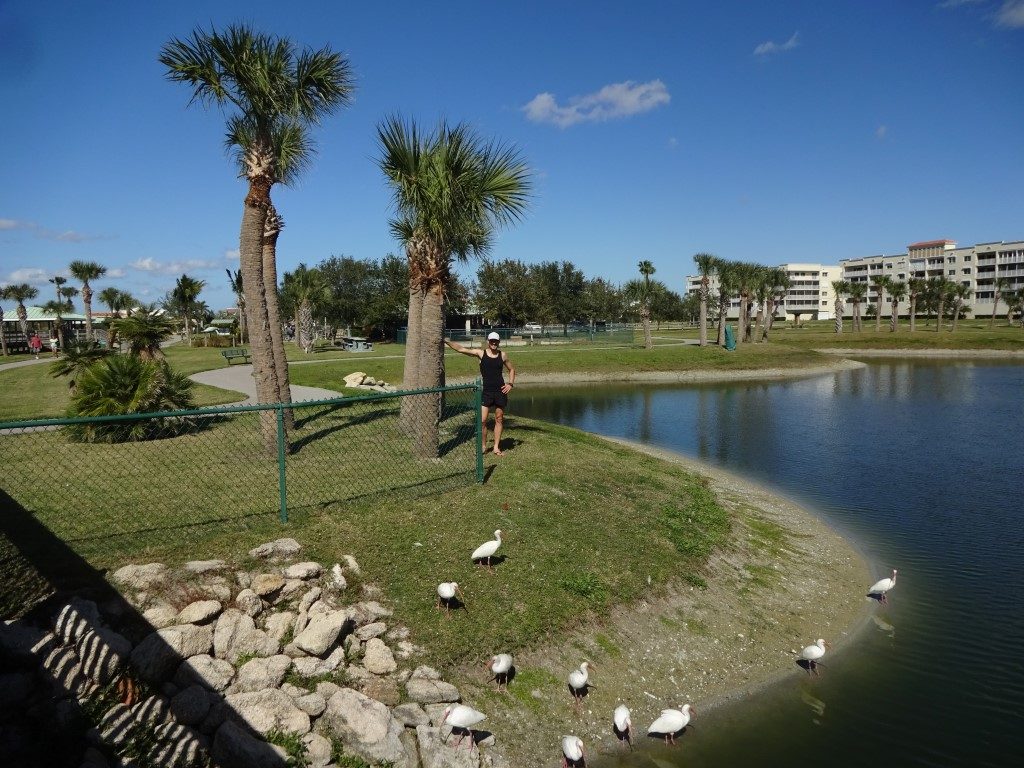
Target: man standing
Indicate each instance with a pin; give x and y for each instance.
(36, 345)
(492, 361)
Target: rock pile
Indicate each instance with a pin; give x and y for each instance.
(360, 380)
(228, 661)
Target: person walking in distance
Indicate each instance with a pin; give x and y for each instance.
(496, 389)
(36, 345)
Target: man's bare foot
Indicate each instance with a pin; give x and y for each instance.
(498, 453)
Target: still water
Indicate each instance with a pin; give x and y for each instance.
(922, 465)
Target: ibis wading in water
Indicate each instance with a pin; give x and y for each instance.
(579, 680)
(462, 718)
(572, 750)
(623, 725)
(671, 722)
(880, 587)
(500, 666)
(485, 551)
(446, 592)
(812, 655)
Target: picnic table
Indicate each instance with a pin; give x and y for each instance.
(356, 344)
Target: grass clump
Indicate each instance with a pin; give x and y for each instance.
(292, 744)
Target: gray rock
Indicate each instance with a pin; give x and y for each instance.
(161, 615)
(318, 750)
(205, 566)
(327, 689)
(307, 570)
(411, 715)
(320, 608)
(426, 687)
(267, 584)
(219, 711)
(219, 592)
(15, 688)
(191, 706)
(77, 618)
(215, 674)
(338, 580)
(93, 758)
(382, 689)
(270, 709)
(260, 674)
(243, 579)
(365, 726)
(276, 550)
(291, 588)
(235, 634)
(378, 658)
(313, 704)
(353, 648)
(104, 654)
(152, 710)
(370, 631)
(351, 564)
(405, 649)
(160, 653)
(293, 690)
(397, 633)
(116, 725)
(491, 760)
(235, 747)
(23, 644)
(309, 598)
(436, 754)
(64, 670)
(177, 746)
(141, 576)
(199, 612)
(249, 603)
(322, 632)
(313, 666)
(280, 624)
(368, 612)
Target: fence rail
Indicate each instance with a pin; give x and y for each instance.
(159, 483)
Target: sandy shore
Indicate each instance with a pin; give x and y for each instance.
(783, 580)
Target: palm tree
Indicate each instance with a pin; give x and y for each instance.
(116, 300)
(86, 271)
(915, 288)
(305, 289)
(999, 286)
(185, 294)
(235, 279)
(1014, 303)
(77, 359)
(778, 284)
(726, 290)
(880, 284)
(21, 293)
(4, 296)
(959, 292)
(839, 287)
(646, 270)
(707, 263)
(857, 293)
(746, 279)
(274, 93)
(271, 231)
(451, 192)
(144, 329)
(58, 308)
(940, 289)
(897, 291)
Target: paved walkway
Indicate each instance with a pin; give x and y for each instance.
(239, 378)
(47, 358)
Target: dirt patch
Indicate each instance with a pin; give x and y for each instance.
(783, 580)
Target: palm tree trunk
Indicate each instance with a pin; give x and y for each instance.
(995, 306)
(839, 316)
(431, 371)
(760, 330)
(264, 370)
(23, 320)
(271, 231)
(703, 337)
(913, 313)
(741, 322)
(305, 327)
(895, 316)
(956, 315)
(188, 327)
(3, 336)
(411, 372)
(878, 313)
(723, 308)
(645, 318)
(941, 310)
(87, 302)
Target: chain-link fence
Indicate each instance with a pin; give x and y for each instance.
(161, 485)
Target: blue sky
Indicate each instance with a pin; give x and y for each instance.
(773, 132)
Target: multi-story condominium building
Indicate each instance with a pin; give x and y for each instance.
(977, 267)
(810, 295)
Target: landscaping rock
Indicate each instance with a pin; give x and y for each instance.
(314, 666)
(259, 674)
(410, 715)
(215, 674)
(276, 550)
(354, 379)
(378, 658)
(278, 625)
(322, 632)
(159, 655)
(235, 747)
(199, 612)
(435, 754)
(308, 570)
(267, 584)
(191, 706)
(235, 634)
(161, 615)
(338, 579)
(318, 750)
(23, 644)
(370, 631)
(267, 710)
(368, 612)
(249, 603)
(309, 598)
(351, 564)
(365, 726)
(426, 687)
(205, 566)
(104, 654)
(382, 689)
(313, 704)
(75, 619)
(141, 576)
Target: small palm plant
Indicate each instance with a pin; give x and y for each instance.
(143, 330)
(77, 359)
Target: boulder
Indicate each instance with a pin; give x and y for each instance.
(266, 585)
(382, 689)
(365, 726)
(280, 624)
(426, 687)
(259, 674)
(309, 598)
(370, 631)
(205, 566)
(215, 674)
(276, 550)
(267, 710)
(318, 750)
(161, 614)
(338, 579)
(235, 747)
(369, 612)
(322, 632)
(141, 576)
(191, 706)
(199, 612)
(235, 634)
(76, 618)
(249, 602)
(160, 653)
(434, 753)
(378, 658)
(103, 653)
(313, 704)
(22, 643)
(308, 570)
(314, 666)
(410, 715)
(354, 379)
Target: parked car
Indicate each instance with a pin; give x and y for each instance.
(218, 331)
(533, 328)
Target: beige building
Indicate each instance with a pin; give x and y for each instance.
(810, 295)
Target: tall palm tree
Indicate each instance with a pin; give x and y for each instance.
(999, 285)
(235, 278)
(880, 284)
(271, 231)
(305, 290)
(915, 287)
(272, 91)
(86, 271)
(451, 192)
(186, 294)
(840, 288)
(746, 279)
(144, 329)
(727, 287)
(1014, 303)
(778, 284)
(897, 292)
(958, 292)
(60, 307)
(116, 301)
(21, 293)
(706, 265)
(646, 270)
(857, 292)
(940, 287)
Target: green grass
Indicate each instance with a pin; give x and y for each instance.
(971, 334)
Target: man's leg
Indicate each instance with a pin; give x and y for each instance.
(483, 420)
(499, 414)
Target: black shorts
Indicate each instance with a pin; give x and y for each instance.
(494, 399)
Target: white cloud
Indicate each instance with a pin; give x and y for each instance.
(881, 131)
(612, 101)
(68, 236)
(1011, 14)
(958, 3)
(673, 142)
(116, 272)
(770, 47)
(231, 254)
(11, 224)
(30, 275)
(171, 267)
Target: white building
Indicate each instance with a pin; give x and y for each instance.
(810, 295)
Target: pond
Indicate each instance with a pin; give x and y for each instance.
(922, 465)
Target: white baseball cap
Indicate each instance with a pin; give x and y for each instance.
(493, 336)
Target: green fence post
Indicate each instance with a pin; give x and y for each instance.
(281, 482)
(478, 399)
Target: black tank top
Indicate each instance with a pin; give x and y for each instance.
(490, 372)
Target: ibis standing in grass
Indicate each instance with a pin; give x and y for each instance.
(623, 725)
(446, 592)
(579, 681)
(501, 667)
(880, 587)
(462, 719)
(572, 751)
(812, 655)
(671, 722)
(485, 551)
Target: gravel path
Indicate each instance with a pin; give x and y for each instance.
(239, 379)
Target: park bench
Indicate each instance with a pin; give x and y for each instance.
(231, 354)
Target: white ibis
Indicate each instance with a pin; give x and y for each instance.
(486, 550)
(671, 722)
(579, 680)
(463, 718)
(500, 666)
(572, 750)
(623, 724)
(880, 587)
(446, 592)
(812, 655)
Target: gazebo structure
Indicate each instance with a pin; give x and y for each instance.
(41, 322)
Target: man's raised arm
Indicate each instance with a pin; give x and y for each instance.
(459, 348)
